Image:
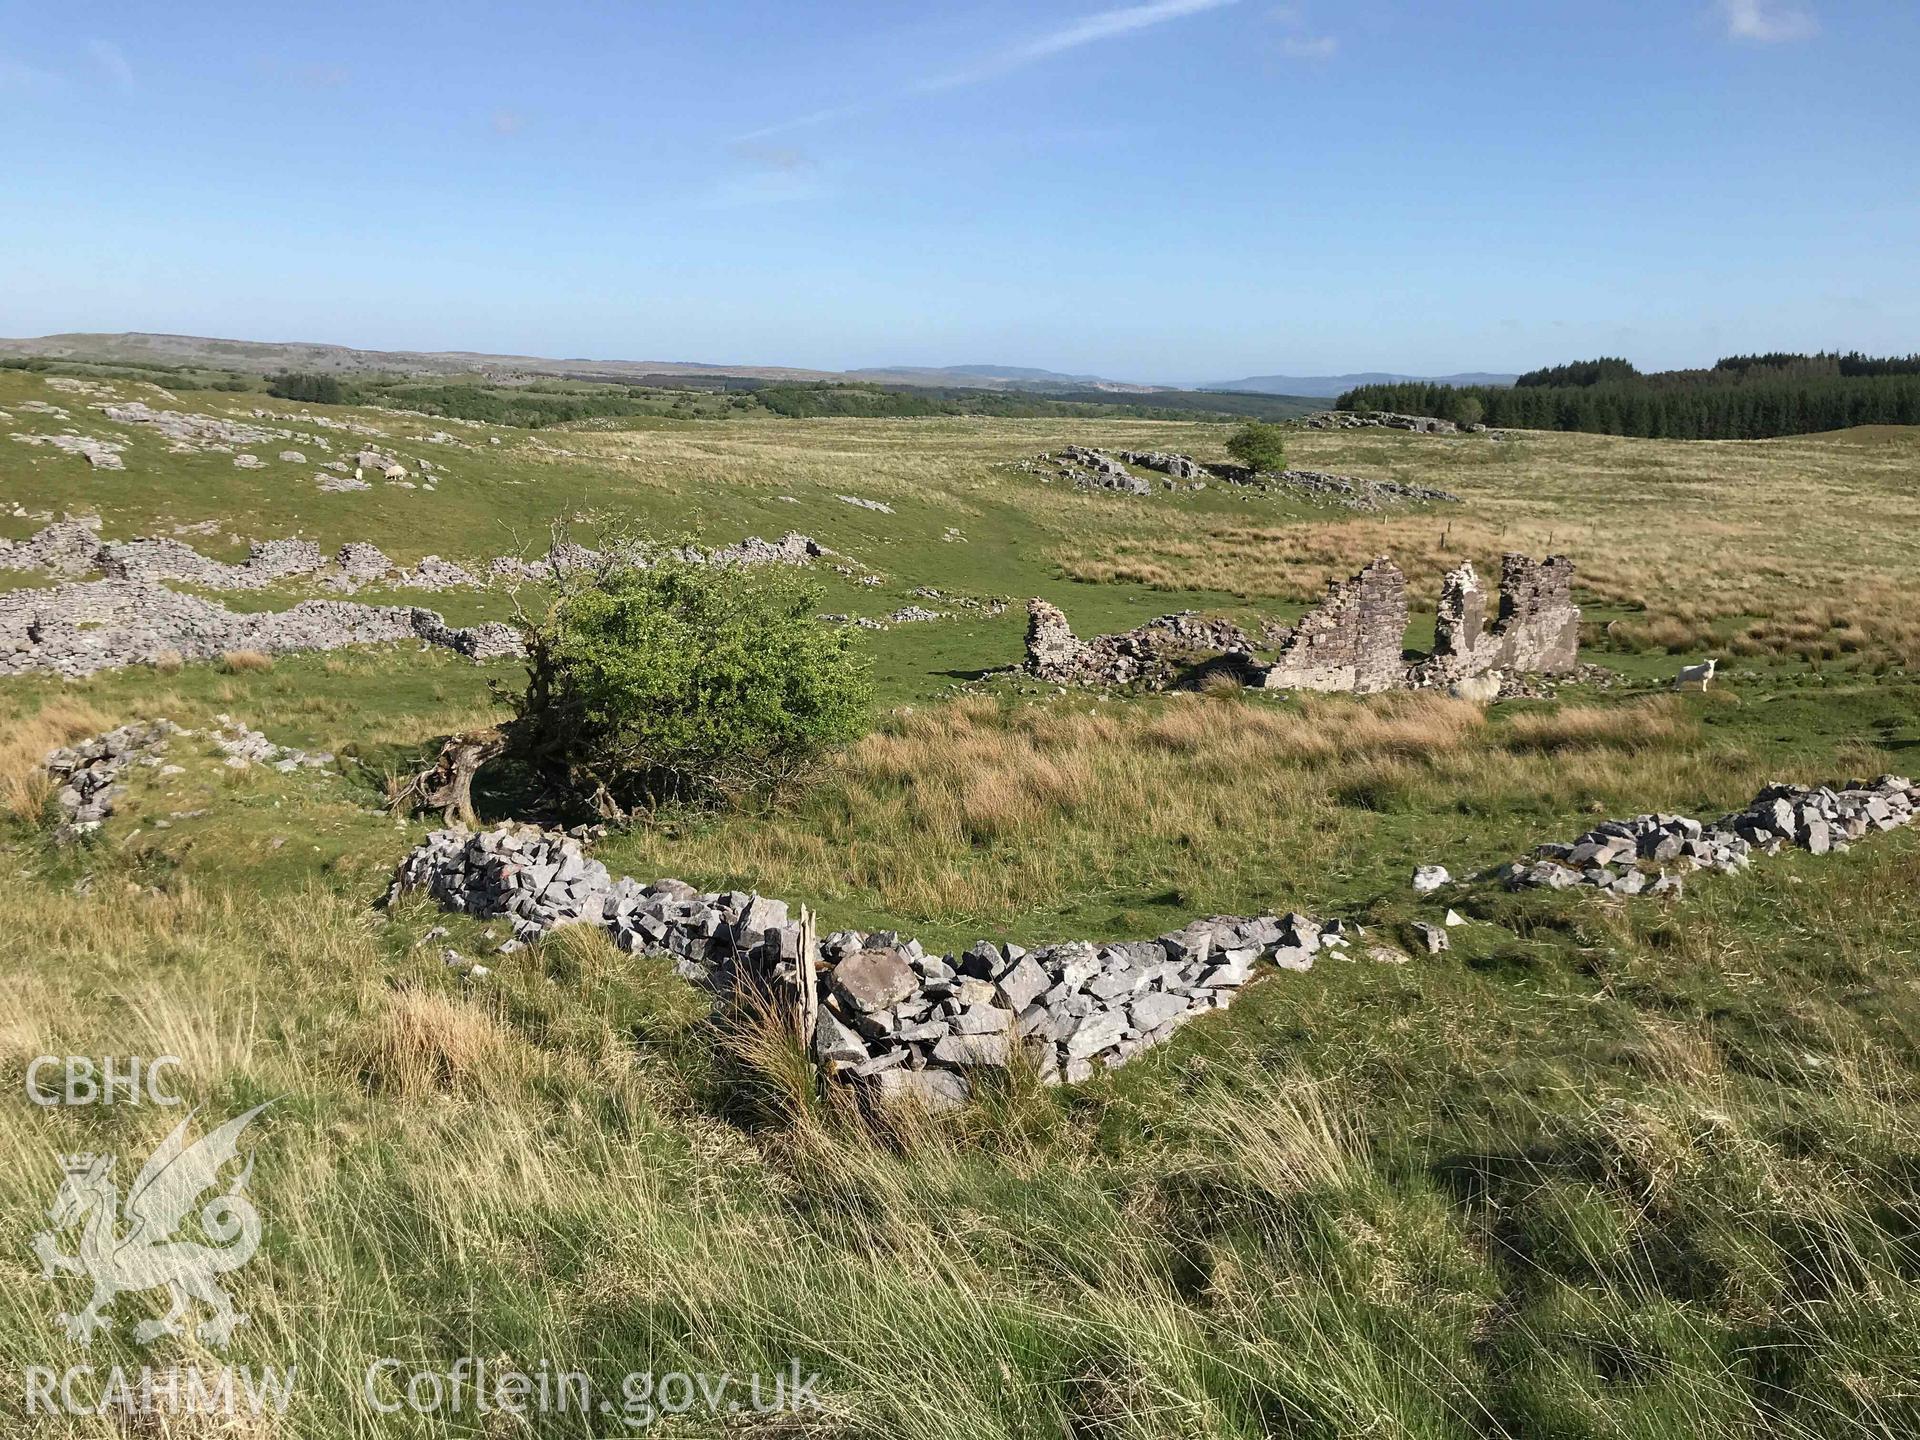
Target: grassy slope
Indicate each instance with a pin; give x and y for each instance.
(1641, 1170)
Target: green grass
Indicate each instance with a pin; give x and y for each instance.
(1645, 1169)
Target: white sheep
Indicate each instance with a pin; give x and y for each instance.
(1480, 689)
(1694, 675)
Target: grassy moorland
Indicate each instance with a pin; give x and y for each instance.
(1647, 1169)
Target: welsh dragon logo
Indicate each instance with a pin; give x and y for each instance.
(145, 1255)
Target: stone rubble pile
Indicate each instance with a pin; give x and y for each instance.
(1157, 654)
(1649, 853)
(880, 505)
(245, 748)
(912, 1023)
(88, 773)
(64, 547)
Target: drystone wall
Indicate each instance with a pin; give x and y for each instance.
(918, 1025)
(1351, 642)
(908, 1022)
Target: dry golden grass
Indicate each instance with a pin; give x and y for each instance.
(425, 1042)
(241, 662)
(25, 786)
(1574, 727)
(974, 808)
(1705, 536)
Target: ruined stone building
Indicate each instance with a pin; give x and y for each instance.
(1351, 642)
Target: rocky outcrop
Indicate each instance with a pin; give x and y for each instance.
(101, 454)
(907, 1022)
(1378, 419)
(1155, 654)
(74, 547)
(1350, 492)
(1351, 641)
(1180, 467)
(1091, 469)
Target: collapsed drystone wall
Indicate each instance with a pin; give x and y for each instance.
(908, 1022)
(78, 628)
(87, 775)
(1649, 853)
(1351, 642)
(1092, 469)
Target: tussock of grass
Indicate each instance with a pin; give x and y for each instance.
(423, 1042)
(242, 662)
(1650, 724)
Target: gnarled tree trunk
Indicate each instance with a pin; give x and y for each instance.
(448, 783)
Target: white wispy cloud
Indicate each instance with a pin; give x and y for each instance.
(506, 122)
(1104, 25)
(1302, 41)
(1107, 25)
(1767, 21)
(1310, 47)
(113, 61)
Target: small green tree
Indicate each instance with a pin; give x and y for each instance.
(657, 677)
(1259, 445)
(1468, 410)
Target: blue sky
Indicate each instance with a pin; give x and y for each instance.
(1174, 190)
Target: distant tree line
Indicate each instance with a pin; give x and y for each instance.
(309, 389)
(1742, 397)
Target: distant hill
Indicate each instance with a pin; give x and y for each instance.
(267, 357)
(996, 376)
(1327, 386)
(476, 385)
